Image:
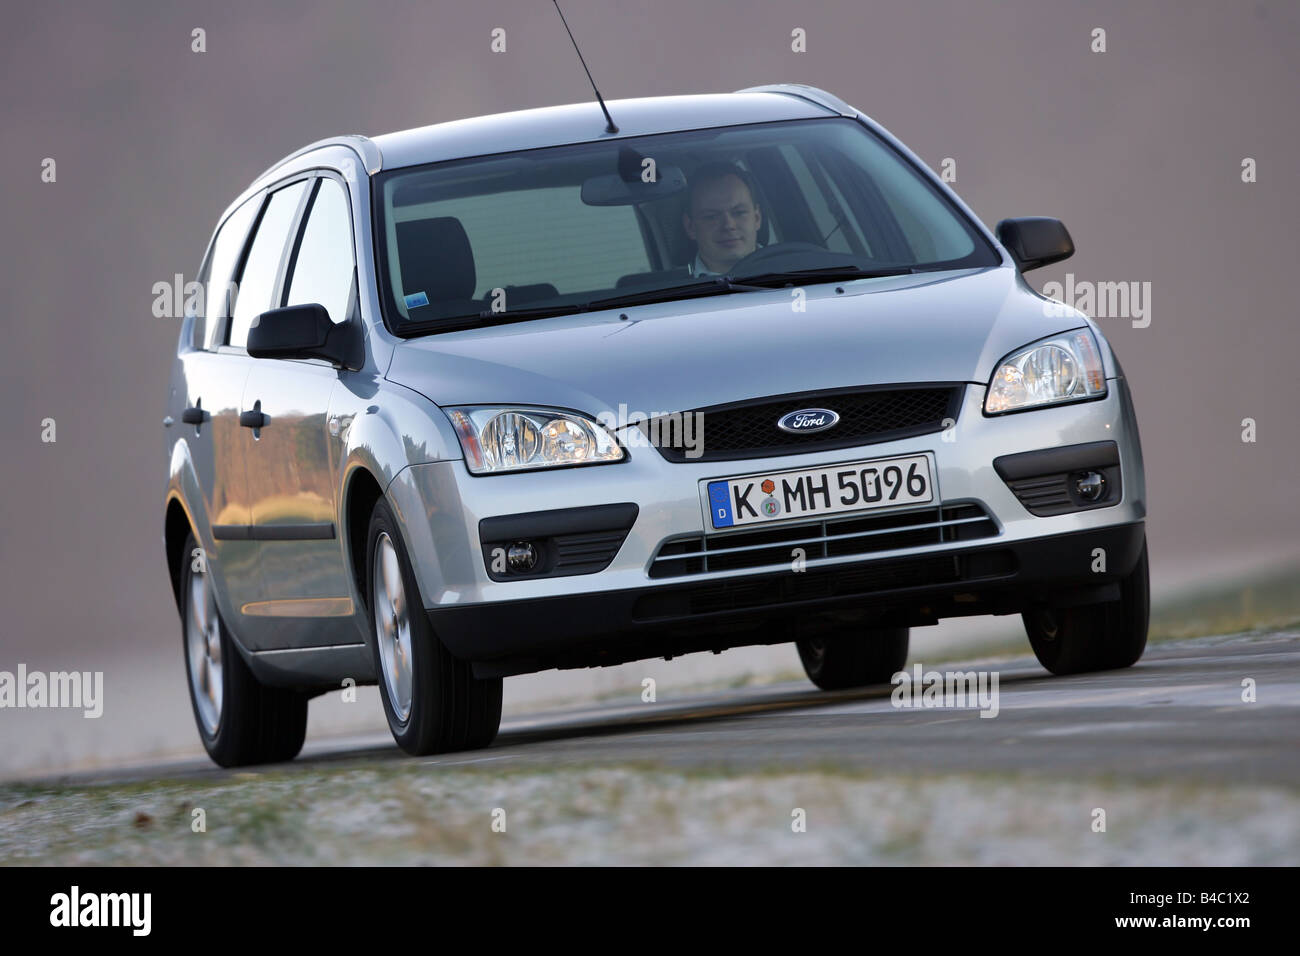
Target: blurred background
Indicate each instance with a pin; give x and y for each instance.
(1138, 149)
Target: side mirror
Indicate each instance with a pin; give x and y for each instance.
(304, 331)
(1035, 241)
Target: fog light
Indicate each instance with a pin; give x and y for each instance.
(1090, 486)
(521, 556)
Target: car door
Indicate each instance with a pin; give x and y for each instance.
(293, 467)
(254, 286)
(212, 387)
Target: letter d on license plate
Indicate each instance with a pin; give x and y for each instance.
(833, 489)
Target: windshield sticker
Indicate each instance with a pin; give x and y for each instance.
(415, 300)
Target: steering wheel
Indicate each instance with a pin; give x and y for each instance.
(775, 251)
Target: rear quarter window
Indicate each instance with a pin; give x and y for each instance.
(218, 281)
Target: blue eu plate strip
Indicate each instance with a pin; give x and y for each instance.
(720, 504)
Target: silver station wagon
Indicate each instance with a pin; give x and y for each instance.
(542, 390)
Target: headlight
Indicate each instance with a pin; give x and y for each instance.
(498, 439)
(1066, 368)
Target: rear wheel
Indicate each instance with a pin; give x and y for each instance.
(854, 660)
(1094, 637)
(433, 701)
(240, 720)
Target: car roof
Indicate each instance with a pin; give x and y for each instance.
(584, 123)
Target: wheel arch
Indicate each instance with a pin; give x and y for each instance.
(361, 492)
(382, 443)
(177, 526)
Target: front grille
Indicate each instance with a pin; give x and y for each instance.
(748, 429)
(830, 538)
(826, 584)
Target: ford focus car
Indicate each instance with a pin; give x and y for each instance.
(539, 390)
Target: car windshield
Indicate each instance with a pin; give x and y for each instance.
(566, 229)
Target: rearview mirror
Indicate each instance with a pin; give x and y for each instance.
(1035, 241)
(304, 331)
(615, 190)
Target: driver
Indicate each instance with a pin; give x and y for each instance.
(722, 217)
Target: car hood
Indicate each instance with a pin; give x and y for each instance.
(674, 356)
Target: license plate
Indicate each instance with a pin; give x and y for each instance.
(833, 489)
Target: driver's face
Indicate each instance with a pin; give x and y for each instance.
(723, 220)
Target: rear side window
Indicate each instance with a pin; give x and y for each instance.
(323, 270)
(257, 285)
(219, 288)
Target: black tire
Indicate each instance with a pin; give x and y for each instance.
(1095, 637)
(854, 660)
(256, 724)
(450, 708)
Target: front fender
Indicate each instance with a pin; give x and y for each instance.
(385, 428)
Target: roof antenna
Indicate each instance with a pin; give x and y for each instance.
(609, 120)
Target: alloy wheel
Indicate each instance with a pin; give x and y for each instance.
(392, 627)
(203, 646)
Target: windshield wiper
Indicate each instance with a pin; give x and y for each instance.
(455, 323)
(714, 285)
(488, 317)
(825, 274)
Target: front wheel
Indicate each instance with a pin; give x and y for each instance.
(433, 701)
(854, 660)
(1094, 637)
(240, 720)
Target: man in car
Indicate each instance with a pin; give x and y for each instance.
(722, 217)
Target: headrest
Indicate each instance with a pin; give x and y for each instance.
(435, 258)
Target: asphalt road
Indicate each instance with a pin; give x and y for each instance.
(1179, 714)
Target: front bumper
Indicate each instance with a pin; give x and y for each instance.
(441, 506)
(612, 627)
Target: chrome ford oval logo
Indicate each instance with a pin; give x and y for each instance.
(808, 420)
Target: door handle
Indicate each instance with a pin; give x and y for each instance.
(194, 415)
(253, 419)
